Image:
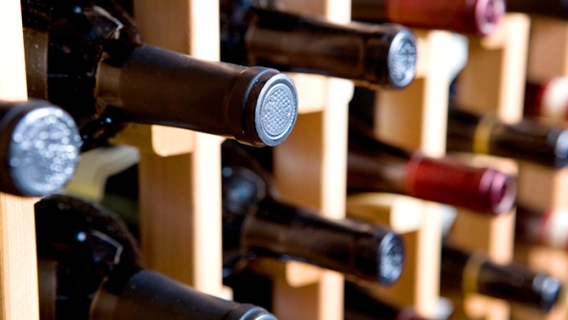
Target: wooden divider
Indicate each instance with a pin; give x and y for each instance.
(493, 82)
(416, 118)
(548, 50)
(18, 261)
(180, 179)
(544, 188)
(494, 78)
(310, 170)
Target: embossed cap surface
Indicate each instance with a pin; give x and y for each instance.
(44, 151)
(402, 59)
(277, 110)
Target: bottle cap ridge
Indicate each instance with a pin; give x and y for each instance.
(44, 150)
(277, 110)
(249, 312)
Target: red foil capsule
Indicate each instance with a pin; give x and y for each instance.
(465, 16)
(480, 189)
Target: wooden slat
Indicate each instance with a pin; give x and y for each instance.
(416, 118)
(548, 49)
(494, 78)
(18, 261)
(493, 82)
(180, 176)
(403, 214)
(187, 26)
(315, 154)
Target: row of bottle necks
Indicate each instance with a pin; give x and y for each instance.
(71, 64)
(74, 50)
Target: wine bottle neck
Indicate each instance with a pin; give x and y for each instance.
(221, 99)
(362, 250)
(149, 295)
(526, 140)
(372, 55)
(473, 272)
(375, 166)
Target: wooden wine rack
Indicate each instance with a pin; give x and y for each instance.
(18, 271)
(416, 118)
(493, 82)
(315, 154)
(180, 182)
(544, 188)
(180, 179)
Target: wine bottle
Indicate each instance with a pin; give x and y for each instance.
(465, 16)
(256, 223)
(90, 268)
(475, 273)
(548, 100)
(526, 140)
(87, 57)
(375, 166)
(40, 144)
(548, 228)
(361, 305)
(549, 8)
(371, 55)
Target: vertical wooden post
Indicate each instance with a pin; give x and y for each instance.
(180, 170)
(18, 260)
(493, 82)
(545, 188)
(416, 118)
(315, 153)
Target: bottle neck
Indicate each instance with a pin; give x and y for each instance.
(372, 55)
(512, 282)
(358, 249)
(527, 140)
(375, 166)
(378, 167)
(149, 295)
(201, 95)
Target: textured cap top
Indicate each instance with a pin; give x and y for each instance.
(549, 288)
(402, 59)
(391, 259)
(44, 151)
(277, 110)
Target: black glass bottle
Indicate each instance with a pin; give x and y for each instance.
(39, 148)
(256, 223)
(88, 57)
(90, 268)
(256, 33)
